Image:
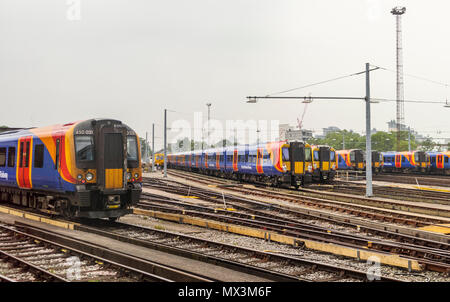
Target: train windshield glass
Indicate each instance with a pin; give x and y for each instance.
(132, 153)
(307, 154)
(84, 147)
(285, 154)
(316, 155)
(332, 155)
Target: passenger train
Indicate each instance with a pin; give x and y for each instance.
(275, 163)
(89, 168)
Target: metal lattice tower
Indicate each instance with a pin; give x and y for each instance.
(398, 12)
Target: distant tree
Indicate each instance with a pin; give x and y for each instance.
(427, 145)
(337, 140)
(144, 145)
(381, 141)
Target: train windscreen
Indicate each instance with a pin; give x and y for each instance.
(84, 147)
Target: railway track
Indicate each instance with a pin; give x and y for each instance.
(29, 253)
(275, 266)
(432, 254)
(427, 180)
(375, 209)
(406, 194)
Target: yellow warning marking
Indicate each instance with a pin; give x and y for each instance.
(437, 228)
(212, 186)
(38, 218)
(362, 254)
(229, 209)
(193, 197)
(431, 189)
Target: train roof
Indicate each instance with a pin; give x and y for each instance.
(239, 148)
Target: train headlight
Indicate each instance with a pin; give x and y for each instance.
(315, 166)
(89, 177)
(128, 176)
(79, 176)
(136, 175)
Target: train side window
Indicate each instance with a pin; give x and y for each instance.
(446, 160)
(27, 155)
(403, 159)
(11, 156)
(2, 157)
(39, 156)
(21, 155)
(246, 158)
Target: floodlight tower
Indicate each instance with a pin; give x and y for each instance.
(398, 12)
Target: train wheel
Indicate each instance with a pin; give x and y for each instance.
(113, 219)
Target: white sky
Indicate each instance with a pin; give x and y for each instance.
(131, 59)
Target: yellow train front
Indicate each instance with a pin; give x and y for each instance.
(323, 160)
(158, 160)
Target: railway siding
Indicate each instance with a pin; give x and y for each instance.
(361, 254)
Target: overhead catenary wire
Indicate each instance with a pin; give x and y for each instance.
(319, 83)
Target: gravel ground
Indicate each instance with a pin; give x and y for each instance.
(259, 244)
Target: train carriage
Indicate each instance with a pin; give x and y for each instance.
(415, 161)
(276, 163)
(88, 168)
(439, 162)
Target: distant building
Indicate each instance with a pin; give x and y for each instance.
(330, 129)
(287, 132)
(392, 126)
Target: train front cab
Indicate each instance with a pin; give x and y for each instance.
(377, 161)
(357, 159)
(109, 151)
(421, 161)
(298, 166)
(322, 163)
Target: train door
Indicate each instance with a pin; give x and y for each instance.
(24, 155)
(259, 160)
(324, 156)
(398, 160)
(440, 161)
(111, 159)
(235, 160)
(218, 160)
(297, 157)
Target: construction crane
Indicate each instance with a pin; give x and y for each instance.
(300, 122)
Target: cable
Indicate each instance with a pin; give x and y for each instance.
(321, 82)
(409, 101)
(414, 76)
